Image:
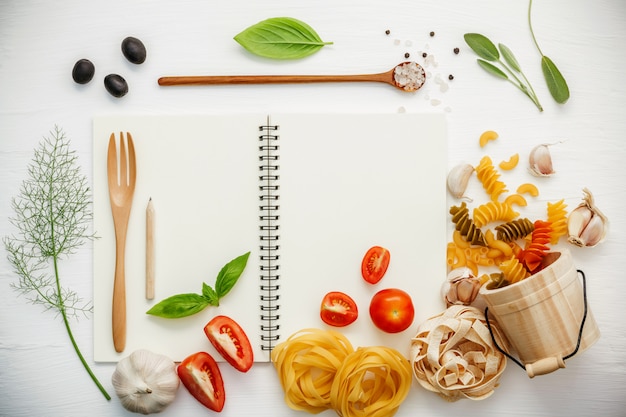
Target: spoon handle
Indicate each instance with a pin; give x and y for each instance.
(269, 79)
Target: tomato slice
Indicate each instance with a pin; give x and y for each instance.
(227, 336)
(374, 264)
(201, 376)
(338, 309)
(392, 310)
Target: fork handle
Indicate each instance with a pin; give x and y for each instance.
(119, 291)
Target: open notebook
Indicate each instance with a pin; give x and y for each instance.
(307, 194)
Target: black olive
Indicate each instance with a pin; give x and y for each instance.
(134, 50)
(83, 71)
(116, 85)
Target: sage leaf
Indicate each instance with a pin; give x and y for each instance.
(508, 56)
(230, 273)
(482, 46)
(492, 69)
(281, 38)
(555, 80)
(180, 305)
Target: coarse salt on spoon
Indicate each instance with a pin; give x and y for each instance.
(407, 76)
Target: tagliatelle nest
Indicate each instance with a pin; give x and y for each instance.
(453, 354)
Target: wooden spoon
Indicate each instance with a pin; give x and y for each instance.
(407, 76)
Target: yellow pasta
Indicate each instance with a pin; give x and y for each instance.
(493, 211)
(510, 164)
(494, 243)
(516, 199)
(528, 188)
(557, 216)
(489, 178)
(513, 270)
(450, 253)
(459, 240)
(372, 382)
(320, 370)
(487, 136)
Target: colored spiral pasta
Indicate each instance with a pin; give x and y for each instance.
(489, 178)
(538, 247)
(557, 216)
(515, 229)
(493, 211)
(465, 225)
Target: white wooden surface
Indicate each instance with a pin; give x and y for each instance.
(40, 41)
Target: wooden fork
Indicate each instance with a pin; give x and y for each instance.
(122, 174)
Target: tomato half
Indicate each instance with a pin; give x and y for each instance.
(338, 309)
(230, 341)
(201, 376)
(392, 310)
(374, 264)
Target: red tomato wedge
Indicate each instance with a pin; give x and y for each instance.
(392, 310)
(230, 341)
(201, 376)
(338, 309)
(374, 264)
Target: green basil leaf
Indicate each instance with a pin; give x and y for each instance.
(555, 80)
(483, 47)
(230, 273)
(508, 56)
(181, 305)
(492, 69)
(281, 38)
(210, 294)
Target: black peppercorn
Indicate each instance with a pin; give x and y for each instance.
(451, 77)
(424, 55)
(387, 32)
(456, 50)
(432, 34)
(406, 55)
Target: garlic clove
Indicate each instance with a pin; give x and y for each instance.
(586, 224)
(460, 287)
(540, 161)
(458, 178)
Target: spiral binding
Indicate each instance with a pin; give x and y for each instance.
(269, 233)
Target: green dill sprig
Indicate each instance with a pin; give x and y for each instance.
(52, 218)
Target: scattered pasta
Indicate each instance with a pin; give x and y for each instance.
(538, 247)
(510, 163)
(489, 178)
(528, 188)
(557, 216)
(487, 136)
(513, 270)
(493, 211)
(515, 229)
(465, 225)
(516, 199)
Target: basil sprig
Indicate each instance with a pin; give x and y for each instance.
(183, 305)
(281, 38)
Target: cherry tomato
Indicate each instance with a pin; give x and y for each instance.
(230, 341)
(374, 264)
(338, 309)
(392, 310)
(201, 376)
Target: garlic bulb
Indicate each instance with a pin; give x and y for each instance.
(540, 161)
(458, 178)
(145, 382)
(586, 225)
(461, 288)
